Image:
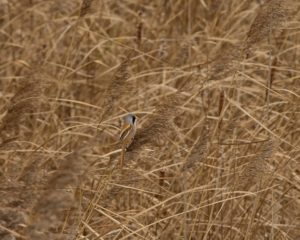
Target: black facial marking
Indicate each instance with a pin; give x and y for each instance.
(133, 119)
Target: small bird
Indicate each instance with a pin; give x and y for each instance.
(127, 133)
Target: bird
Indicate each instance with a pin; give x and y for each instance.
(127, 134)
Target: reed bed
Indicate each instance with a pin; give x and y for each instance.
(215, 87)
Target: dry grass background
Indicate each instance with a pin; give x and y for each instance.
(215, 86)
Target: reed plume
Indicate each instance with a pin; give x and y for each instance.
(270, 16)
(117, 87)
(158, 125)
(59, 196)
(25, 100)
(226, 63)
(258, 167)
(199, 150)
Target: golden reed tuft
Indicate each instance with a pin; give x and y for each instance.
(158, 125)
(117, 87)
(271, 15)
(200, 149)
(59, 196)
(25, 100)
(257, 167)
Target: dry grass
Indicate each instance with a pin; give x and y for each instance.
(215, 86)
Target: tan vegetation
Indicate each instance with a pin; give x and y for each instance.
(215, 86)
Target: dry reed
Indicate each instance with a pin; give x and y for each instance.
(257, 168)
(59, 196)
(25, 100)
(158, 124)
(199, 150)
(117, 87)
(200, 166)
(270, 16)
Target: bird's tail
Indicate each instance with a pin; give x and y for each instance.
(122, 157)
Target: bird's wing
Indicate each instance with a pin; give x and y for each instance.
(125, 131)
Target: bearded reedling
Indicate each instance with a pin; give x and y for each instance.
(127, 133)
